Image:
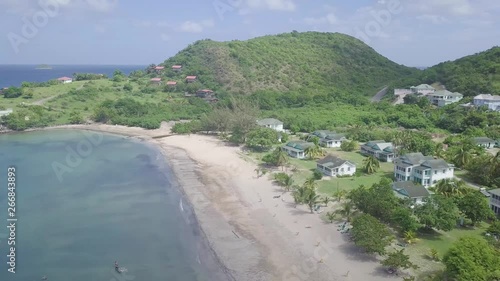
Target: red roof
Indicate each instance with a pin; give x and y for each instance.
(206, 91)
(159, 67)
(177, 66)
(190, 77)
(171, 83)
(155, 79)
(64, 79)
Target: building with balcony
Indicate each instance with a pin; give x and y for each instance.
(495, 200)
(424, 170)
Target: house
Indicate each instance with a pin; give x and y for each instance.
(444, 97)
(403, 166)
(5, 112)
(190, 79)
(333, 166)
(296, 149)
(328, 138)
(409, 190)
(495, 200)
(156, 81)
(489, 101)
(382, 150)
(171, 83)
(65, 80)
(159, 69)
(205, 93)
(177, 67)
(2, 90)
(272, 123)
(423, 89)
(484, 142)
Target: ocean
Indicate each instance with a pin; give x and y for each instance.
(14, 75)
(85, 200)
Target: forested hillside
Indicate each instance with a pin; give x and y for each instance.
(309, 62)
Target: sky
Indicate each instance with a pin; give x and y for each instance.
(127, 32)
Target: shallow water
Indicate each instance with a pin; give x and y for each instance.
(78, 212)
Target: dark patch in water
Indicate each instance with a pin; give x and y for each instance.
(144, 157)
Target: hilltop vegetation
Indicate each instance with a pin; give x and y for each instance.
(304, 63)
(470, 75)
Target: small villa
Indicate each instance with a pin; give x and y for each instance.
(205, 93)
(328, 138)
(487, 100)
(156, 81)
(177, 67)
(379, 149)
(495, 200)
(333, 166)
(410, 190)
(171, 83)
(159, 68)
(65, 80)
(271, 123)
(484, 142)
(424, 170)
(444, 97)
(296, 149)
(423, 89)
(190, 79)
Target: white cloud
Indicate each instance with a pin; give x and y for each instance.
(435, 19)
(195, 27)
(274, 5)
(330, 18)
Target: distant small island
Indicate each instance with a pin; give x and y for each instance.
(43, 66)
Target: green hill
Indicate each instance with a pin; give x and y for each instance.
(470, 75)
(298, 62)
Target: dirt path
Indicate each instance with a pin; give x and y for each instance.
(44, 100)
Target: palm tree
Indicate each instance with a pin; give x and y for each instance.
(339, 194)
(281, 158)
(288, 182)
(314, 152)
(326, 200)
(451, 187)
(347, 210)
(439, 151)
(330, 216)
(410, 237)
(311, 184)
(371, 164)
(299, 194)
(463, 156)
(311, 199)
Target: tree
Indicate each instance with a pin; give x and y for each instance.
(475, 207)
(261, 138)
(451, 188)
(314, 152)
(277, 158)
(398, 260)
(370, 234)
(12, 92)
(311, 199)
(472, 259)
(402, 217)
(340, 194)
(494, 228)
(378, 200)
(371, 164)
(349, 145)
(347, 211)
(128, 87)
(438, 212)
(330, 216)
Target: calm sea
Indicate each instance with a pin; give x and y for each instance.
(14, 75)
(119, 202)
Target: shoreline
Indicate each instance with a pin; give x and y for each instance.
(254, 235)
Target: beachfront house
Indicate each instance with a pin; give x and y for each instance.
(296, 149)
(382, 150)
(410, 190)
(495, 200)
(190, 79)
(424, 170)
(328, 138)
(333, 166)
(205, 93)
(271, 123)
(65, 80)
(444, 97)
(156, 81)
(484, 142)
(5, 112)
(487, 100)
(177, 68)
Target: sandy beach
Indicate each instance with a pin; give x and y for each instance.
(256, 237)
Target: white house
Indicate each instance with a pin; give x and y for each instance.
(272, 123)
(333, 166)
(65, 80)
(409, 190)
(484, 142)
(297, 149)
(444, 97)
(424, 170)
(490, 101)
(423, 89)
(382, 150)
(495, 200)
(328, 138)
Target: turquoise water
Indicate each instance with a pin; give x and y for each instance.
(119, 202)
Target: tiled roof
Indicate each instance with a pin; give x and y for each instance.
(436, 164)
(332, 161)
(410, 189)
(487, 97)
(483, 140)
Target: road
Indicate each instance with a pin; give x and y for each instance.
(380, 95)
(42, 101)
